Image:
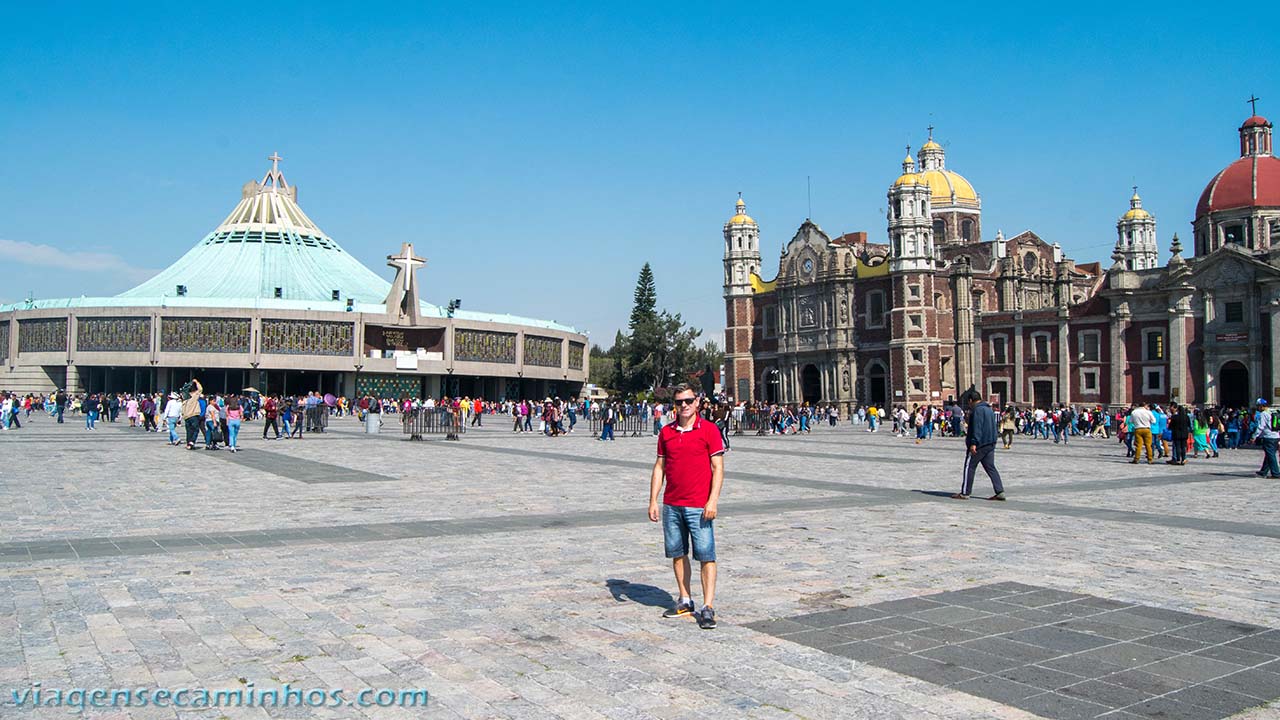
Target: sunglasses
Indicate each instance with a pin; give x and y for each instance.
(686, 401)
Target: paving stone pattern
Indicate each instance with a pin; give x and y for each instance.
(517, 576)
(1053, 653)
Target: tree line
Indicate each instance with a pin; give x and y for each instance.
(657, 351)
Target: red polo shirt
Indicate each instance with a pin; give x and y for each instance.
(687, 461)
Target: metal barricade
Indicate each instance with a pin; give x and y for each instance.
(634, 425)
(317, 418)
(432, 421)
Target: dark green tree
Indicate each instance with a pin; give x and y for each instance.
(645, 300)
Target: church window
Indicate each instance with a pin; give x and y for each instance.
(1233, 312)
(1154, 345)
(913, 291)
(999, 347)
(1040, 348)
(917, 356)
(1089, 381)
(940, 230)
(966, 230)
(875, 308)
(1029, 261)
(1234, 234)
(1128, 237)
(1090, 346)
(915, 322)
(897, 245)
(917, 384)
(770, 321)
(739, 243)
(898, 208)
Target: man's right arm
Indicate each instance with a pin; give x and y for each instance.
(655, 486)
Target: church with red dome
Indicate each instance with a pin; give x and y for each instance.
(936, 307)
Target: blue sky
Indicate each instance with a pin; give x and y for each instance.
(538, 155)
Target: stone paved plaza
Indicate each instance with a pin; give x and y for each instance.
(516, 576)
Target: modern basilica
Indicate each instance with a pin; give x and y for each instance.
(937, 306)
(268, 300)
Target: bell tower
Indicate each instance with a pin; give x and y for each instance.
(741, 261)
(1136, 236)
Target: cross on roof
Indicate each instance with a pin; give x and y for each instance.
(406, 264)
(1253, 100)
(275, 162)
(930, 132)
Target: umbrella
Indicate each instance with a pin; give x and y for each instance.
(330, 400)
(252, 389)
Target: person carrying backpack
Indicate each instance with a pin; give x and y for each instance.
(1267, 435)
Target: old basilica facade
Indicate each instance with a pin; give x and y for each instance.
(938, 307)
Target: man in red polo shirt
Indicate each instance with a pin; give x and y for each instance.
(691, 458)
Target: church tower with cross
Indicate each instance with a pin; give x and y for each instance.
(955, 205)
(1136, 237)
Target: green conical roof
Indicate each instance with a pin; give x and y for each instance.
(267, 242)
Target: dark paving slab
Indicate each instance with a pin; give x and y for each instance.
(1068, 655)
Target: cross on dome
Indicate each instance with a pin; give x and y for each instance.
(1253, 102)
(274, 179)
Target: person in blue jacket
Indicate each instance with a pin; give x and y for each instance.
(980, 445)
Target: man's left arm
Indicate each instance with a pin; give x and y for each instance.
(717, 480)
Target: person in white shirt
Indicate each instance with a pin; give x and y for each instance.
(172, 416)
(1142, 419)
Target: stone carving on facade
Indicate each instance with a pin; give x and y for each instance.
(844, 309)
(808, 318)
(113, 334)
(844, 379)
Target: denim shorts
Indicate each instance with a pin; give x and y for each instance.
(679, 525)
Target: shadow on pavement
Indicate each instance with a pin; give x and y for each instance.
(624, 591)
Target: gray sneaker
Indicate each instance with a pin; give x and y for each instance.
(680, 610)
(706, 618)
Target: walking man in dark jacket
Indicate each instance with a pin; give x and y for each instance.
(980, 442)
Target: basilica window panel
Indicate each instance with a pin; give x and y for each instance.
(307, 337)
(204, 335)
(388, 386)
(1153, 345)
(4, 340)
(541, 351)
(1233, 312)
(485, 346)
(1091, 346)
(113, 334)
(42, 335)
(576, 351)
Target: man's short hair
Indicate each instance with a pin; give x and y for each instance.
(683, 387)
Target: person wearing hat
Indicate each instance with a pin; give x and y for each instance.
(172, 416)
(1267, 435)
(980, 440)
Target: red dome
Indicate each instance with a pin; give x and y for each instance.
(1247, 182)
(1255, 121)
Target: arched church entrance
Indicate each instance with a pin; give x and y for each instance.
(877, 386)
(810, 385)
(1233, 385)
(769, 381)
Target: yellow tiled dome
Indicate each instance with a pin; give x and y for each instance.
(941, 184)
(1136, 214)
(741, 217)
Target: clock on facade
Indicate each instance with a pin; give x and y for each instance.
(807, 266)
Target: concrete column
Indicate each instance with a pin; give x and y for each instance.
(1017, 391)
(1064, 358)
(1119, 357)
(1176, 349)
(1253, 310)
(1273, 390)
